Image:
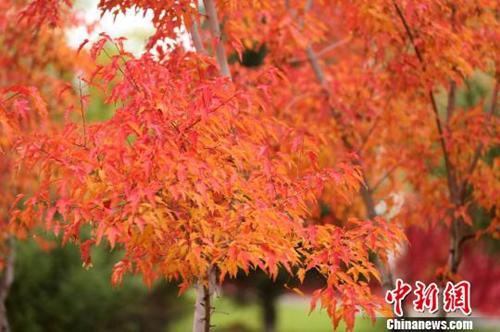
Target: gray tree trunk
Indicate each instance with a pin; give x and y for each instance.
(5, 283)
(203, 306)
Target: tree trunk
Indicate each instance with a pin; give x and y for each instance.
(269, 312)
(204, 293)
(213, 23)
(5, 283)
(203, 306)
(385, 271)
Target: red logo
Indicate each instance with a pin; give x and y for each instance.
(397, 295)
(426, 297)
(455, 297)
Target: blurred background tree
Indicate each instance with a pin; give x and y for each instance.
(53, 293)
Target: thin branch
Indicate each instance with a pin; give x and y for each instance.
(324, 51)
(451, 101)
(311, 55)
(130, 79)
(466, 238)
(333, 46)
(383, 178)
(408, 32)
(10, 97)
(198, 118)
(365, 139)
(82, 112)
(456, 194)
(313, 60)
(477, 152)
(196, 38)
(452, 186)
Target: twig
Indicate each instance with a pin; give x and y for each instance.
(451, 101)
(324, 51)
(466, 238)
(408, 32)
(477, 152)
(383, 178)
(11, 97)
(313, 59)
(365, 139)
(196, 38)
(130, 79)
(84, 122)
(198, 118)
(452, 187)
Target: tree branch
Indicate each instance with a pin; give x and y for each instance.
(451, 101)
(324, 51)
(452, 185)
(454, 256)
(213, 23)
(313, 60)
(383, 178)
(82, 112)
(365, 191)
(196, 38)
(408, 32)
(477, 152)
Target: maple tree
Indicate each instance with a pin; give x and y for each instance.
(230, 183)
(26, 55)
(209, 166)
(382, 79)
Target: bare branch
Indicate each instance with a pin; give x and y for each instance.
(82, 112)
(383, 178)
(320, 54)
(213, 23)
(451, 101)
(313, 60)
(365, 139)
(409, 32)
(196, 38)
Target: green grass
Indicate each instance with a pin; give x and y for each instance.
(292, 317)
